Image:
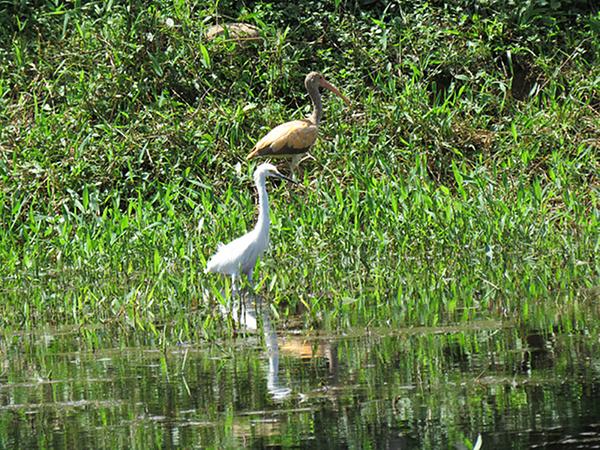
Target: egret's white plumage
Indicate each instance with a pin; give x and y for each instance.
(240, 255)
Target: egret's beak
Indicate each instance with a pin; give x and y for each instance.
(283, 177)
(327, 85)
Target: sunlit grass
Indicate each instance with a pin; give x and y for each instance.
(440, 197)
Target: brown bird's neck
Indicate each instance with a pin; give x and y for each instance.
(315, 96)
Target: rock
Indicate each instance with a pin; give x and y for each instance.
(237, 31)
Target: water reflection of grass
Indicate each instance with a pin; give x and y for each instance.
(433, 387)
(462, 186)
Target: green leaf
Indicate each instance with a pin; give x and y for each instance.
(205, 56)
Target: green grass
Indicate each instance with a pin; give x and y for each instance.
(462, 185)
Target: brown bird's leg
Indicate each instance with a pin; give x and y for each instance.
(294, 162)
(307, 156)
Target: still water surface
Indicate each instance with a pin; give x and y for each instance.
(422, 388)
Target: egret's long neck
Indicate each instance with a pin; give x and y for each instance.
(262, 225)
(315, 96)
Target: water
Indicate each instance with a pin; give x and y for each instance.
(515, 384)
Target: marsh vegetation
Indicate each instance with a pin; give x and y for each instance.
(461, 189)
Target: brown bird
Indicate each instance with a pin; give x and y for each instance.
(293, 139)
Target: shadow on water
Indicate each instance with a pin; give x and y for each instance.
(519, 385)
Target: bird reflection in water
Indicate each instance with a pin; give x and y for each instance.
(277, 391)
(246, 316)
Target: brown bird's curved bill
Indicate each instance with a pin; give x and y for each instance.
(327, 85)
(283, 177)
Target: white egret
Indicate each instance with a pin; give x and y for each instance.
(240, 255)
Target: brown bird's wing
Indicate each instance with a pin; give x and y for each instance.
(290, 138)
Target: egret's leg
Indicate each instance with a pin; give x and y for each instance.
(234, 289)
(250, 280)
(247, 295)
(237, 301)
